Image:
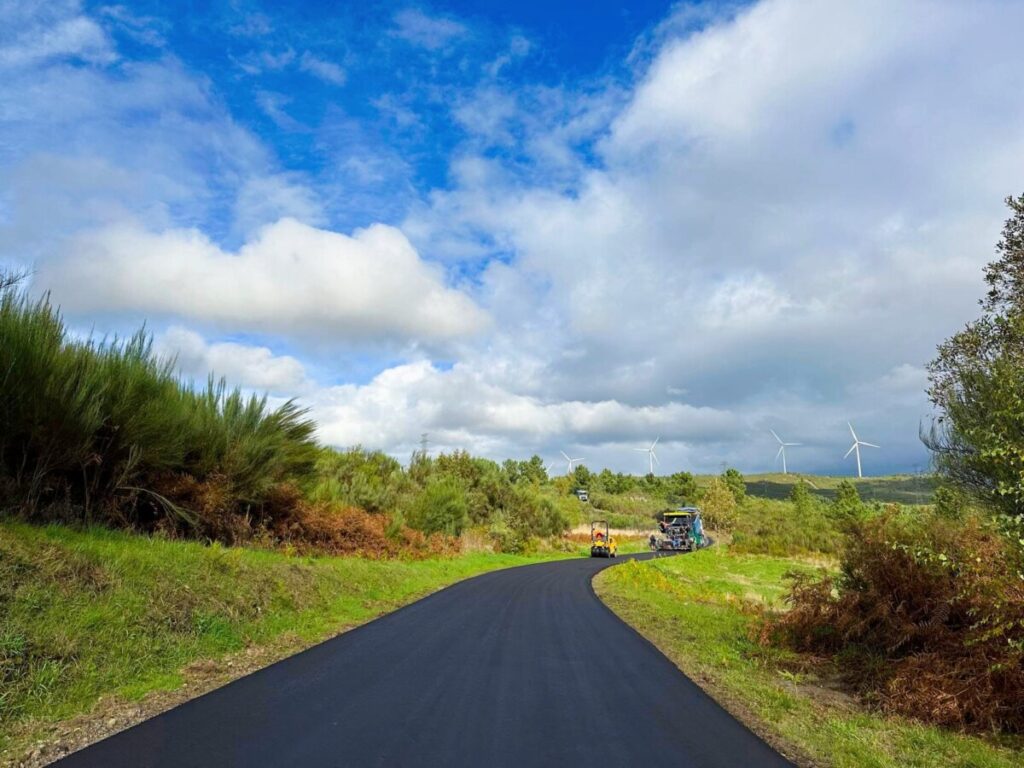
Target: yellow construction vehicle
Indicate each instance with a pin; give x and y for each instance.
(602, 543)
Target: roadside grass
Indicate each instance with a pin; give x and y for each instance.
(779, 528)
(698, 609)
(85, 614)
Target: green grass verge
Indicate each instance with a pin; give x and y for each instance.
(99, 612)
(698, 608)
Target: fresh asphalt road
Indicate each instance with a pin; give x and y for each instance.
(521, 667)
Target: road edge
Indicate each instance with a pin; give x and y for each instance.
(734, 706)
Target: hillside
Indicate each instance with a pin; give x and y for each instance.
(899, 489)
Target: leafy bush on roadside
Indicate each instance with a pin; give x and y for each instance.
(105, 431)
(927, 617)
(439, 508)
(719, 506)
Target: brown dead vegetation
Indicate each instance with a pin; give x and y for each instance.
(926, 619)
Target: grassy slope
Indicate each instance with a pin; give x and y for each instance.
(902, 489)
(696, 610)
(85, 614)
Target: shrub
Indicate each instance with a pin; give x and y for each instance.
(440, 508)
(928, 619)
(106, 431)
(506, 538)
(370, 480)
(323, 528)
(719, 506)
(847, 508)
(734, 481)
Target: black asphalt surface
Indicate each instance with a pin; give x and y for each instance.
(521, 667)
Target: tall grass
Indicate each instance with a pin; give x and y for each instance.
(106, 430)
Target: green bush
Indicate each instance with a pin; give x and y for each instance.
(440, 508)
(719, 506)
(105, 430)
(370, 480)
(734, 481)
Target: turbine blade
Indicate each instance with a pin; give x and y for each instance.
(655, 457)
(776, 436)
(792, 443)
(782, 450)
(645, 450)
(870, 445)
(565, 455)
(655, 442)
(851, 431)
(852, 449)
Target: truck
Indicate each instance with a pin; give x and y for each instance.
(679, 530)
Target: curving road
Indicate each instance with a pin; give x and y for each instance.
(521, 667)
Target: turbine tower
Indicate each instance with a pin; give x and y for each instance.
(855, 448)
(782, 450)
(652, 457)
(572, 462)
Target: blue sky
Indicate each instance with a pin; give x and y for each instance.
(526, 228)
(325, 83)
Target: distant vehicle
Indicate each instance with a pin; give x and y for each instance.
(582, 495)
(602, 543)
(679, 530)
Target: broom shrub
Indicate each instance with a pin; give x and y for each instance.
(104, 430)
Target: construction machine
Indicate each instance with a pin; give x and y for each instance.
(602, 543)
(679, 530)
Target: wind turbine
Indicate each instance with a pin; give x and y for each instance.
(652, 457)
(855, 448)
(782, 450)
(571, 462)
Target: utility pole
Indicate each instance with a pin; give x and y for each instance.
(424, 442)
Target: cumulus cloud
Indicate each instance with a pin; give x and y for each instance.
(290, 278)
(774, 218)
(794, 201)
(464, 407)
(251, 367)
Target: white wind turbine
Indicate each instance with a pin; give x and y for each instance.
(782, 450)
(652, 457)
(855, 448)
(572, 462)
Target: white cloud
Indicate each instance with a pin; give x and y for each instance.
(268, 198)
(291, 278)
(58, 32)
(518, 48)
(777, 220)
(463, 407)
(327, 71)
(430, 32)
(792, 202)
(251, 367)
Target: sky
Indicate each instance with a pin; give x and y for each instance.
(527, 228)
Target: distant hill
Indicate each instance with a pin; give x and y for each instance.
(902, 489)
